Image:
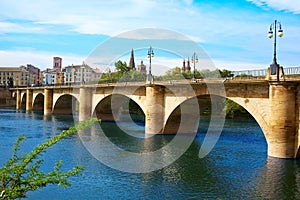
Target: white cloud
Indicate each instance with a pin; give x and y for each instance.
(287, 5)
(239, 66)
(220, 27)
(109, 17)
(39, 59)
(18, 28)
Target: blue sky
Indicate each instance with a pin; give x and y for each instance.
(232, 32)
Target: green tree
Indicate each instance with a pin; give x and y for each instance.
(21, 173)
(122, 66)
(187, 75)
(225, 73)
(138, 76)
(173, 74)
(234, 110)
(243, 75)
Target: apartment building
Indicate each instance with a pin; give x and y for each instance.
(15, 76)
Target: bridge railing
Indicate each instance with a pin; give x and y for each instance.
(257, 72)
(263, 72)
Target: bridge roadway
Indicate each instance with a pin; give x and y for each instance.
(175, 106)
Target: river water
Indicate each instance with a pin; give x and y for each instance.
(237, 168)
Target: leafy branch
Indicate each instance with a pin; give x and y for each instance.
(21, 173)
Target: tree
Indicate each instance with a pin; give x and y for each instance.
(233, 110)
(244, 75)
(173, 74)
(225, 73)
(122, 66)
(21, 173)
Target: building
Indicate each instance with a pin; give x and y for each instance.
(57, 64)
(50, 77)
(131, 61)
(34, 73)
(141, 67)
(55, 75)
(14, 76)
(77, 74)
(96, 74)
(183, 69)
(186, 67)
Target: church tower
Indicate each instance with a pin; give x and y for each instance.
(188, 67)
(131, 61)
(183, 66)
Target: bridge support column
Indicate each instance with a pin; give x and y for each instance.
(18, 99)
(85, 106)
(48, 101)
(282, 126)
(155, 103)
(29, 96)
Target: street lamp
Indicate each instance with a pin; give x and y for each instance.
(275, 25)
(194, 60)
(150, 55)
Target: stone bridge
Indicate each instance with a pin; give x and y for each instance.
(175, 107)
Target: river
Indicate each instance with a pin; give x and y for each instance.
(237, 168)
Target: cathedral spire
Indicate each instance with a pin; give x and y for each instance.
(131, 61)
(188, 67)
(183, 66)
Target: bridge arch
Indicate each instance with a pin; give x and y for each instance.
(23, 101)
(256, 107)
(174, 117)
(38, 102)
(121, 104)
(66, 104)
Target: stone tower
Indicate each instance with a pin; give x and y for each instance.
(183, 66)
(141, 67)
(188, 67)
(57, 63)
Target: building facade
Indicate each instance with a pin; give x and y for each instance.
(141, 67)
(14, 76)
(34, 74)
(57, 63)
(77, 74)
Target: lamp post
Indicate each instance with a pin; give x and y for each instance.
(150, 55)
(274, 67)
(194, 60)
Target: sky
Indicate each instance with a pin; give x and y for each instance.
(233, 33)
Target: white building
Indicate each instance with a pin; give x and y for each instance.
(77, 74)
(50, 77)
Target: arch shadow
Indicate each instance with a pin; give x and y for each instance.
(205, 106)
(23, 101)
(66, 105)
(38, 103)
(118, 107)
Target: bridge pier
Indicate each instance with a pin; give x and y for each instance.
(29, 96)
(48, 101)
(18, 99)
(85, 106)
(155, 104)
(282, 137)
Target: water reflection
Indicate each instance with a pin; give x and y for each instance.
(279, 179)
(237, 168)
